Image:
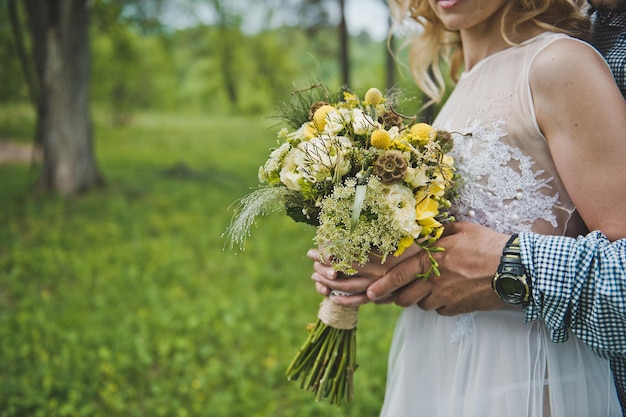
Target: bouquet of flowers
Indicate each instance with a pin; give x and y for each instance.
(373, 182)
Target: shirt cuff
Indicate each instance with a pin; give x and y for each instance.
(545, 259)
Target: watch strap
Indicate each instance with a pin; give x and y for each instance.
(512, 249)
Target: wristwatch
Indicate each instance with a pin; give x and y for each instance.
(511, 282)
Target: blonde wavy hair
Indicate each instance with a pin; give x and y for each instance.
(435, 45)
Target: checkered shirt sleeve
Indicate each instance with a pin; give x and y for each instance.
(580, 285)
(609, 37)
(618, 367)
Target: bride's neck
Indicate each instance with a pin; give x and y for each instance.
(479, 44)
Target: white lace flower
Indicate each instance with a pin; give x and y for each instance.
(274, 162)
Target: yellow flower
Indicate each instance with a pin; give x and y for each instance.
(438, 186)
(426, 209)
(403, 245)
(380, 139)
(447, 167)
(423, 132)
(350, 99)
(319, 118)
(447, 160)
(430, 223)
(400, 145)
(429, 226)
(373, 97)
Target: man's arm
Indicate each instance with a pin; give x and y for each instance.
(578, 284)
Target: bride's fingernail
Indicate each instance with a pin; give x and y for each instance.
(371, 295)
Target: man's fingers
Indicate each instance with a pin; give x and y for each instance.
(383, 300)
(413, 293)
(402, 274)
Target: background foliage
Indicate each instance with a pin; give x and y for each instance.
(123, 302)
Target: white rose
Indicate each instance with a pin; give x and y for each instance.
(334, 122)
(322, 155)
(362, 123)
(394, 132)
(403, 203)
(342, 162)
(416, 177)
(290, 174)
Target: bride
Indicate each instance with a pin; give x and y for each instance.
(529, 91)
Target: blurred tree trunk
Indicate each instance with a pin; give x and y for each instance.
(390, 62)
(228, 74)
(344, 54)
(27, 67)
(60, 43)
(227, 46)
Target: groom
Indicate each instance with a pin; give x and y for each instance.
(609, 36)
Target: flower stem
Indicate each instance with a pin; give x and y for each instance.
(325, 363)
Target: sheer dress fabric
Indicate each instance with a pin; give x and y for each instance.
(492, 364)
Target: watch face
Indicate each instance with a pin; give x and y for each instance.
(510, 289)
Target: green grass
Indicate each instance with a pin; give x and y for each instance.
(123, 302)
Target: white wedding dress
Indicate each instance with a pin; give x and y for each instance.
(492, 364)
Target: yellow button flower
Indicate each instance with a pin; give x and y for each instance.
(373, 97)
(319, 118)
(423, 132)
(380, 139)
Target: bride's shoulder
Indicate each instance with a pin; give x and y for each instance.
(564, 61)
(560, 54)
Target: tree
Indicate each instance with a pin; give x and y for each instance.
(228, 26)
(59, 34)
(390, 62)
(60, 83)
(344, 54)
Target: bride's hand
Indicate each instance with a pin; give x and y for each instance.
(327, 279)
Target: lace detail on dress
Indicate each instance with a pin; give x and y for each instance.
(464, 327)
(499, 188)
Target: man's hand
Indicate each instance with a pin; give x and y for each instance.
(467, 265)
